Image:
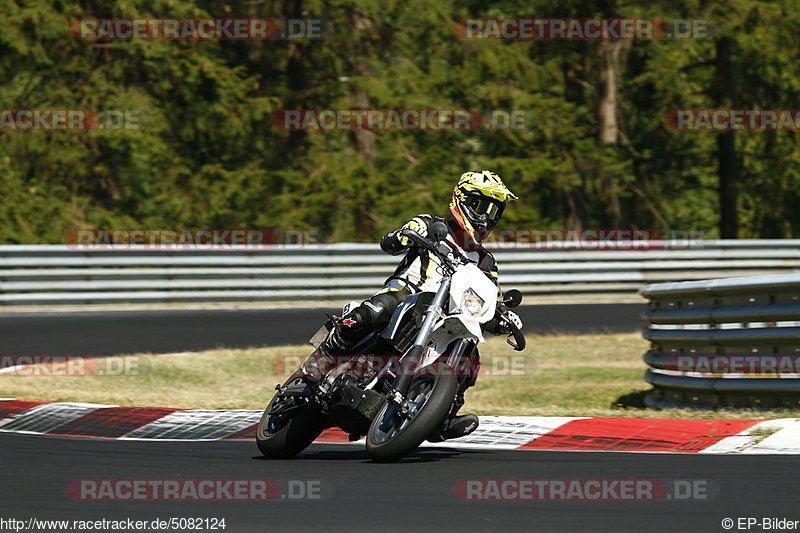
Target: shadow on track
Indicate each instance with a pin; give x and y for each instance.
(420, 455)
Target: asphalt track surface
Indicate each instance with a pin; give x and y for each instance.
(121, 332)
(416, 494)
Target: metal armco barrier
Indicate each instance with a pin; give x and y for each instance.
(725, 342)
(57, 274)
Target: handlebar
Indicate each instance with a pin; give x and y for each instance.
(428, 245)
(519, 339)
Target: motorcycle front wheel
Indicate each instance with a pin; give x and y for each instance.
(393, 435)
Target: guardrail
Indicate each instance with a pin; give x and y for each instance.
(57, 274)
(727, 342)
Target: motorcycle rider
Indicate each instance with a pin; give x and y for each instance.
(478, 201)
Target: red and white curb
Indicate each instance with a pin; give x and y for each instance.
(715, 436)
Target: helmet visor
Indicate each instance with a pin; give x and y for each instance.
(481, 205)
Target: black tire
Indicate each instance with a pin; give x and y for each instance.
(285, 438)
(431, 414)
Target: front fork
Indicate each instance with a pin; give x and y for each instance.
(414, 355)
(457, 359)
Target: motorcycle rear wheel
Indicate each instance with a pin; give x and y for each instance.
(284, 436)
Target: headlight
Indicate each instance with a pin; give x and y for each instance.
(472, 303)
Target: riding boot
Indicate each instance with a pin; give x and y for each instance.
(326, 356)
(454, 427)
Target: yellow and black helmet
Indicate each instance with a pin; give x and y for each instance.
(479, 200)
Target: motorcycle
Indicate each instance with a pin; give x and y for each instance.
(399, 385)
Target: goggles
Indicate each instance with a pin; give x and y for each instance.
(483, 206)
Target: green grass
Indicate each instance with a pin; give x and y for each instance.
(559, 375)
